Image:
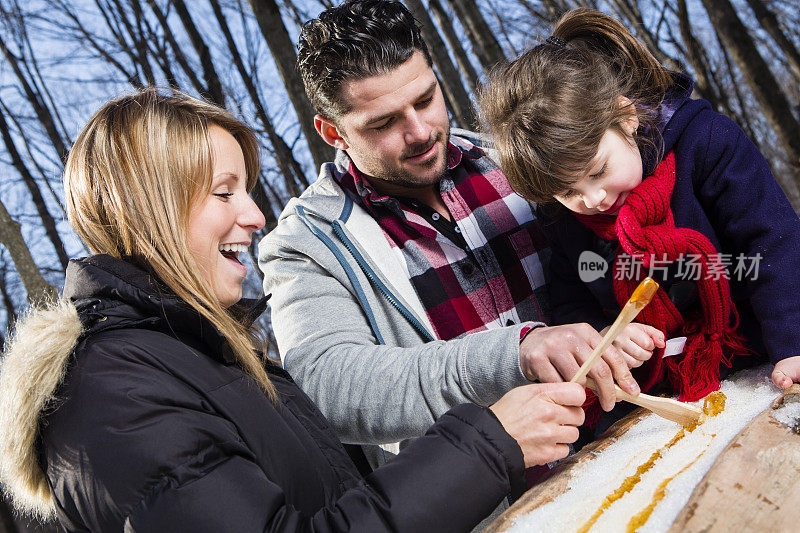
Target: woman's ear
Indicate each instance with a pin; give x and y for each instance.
(630, 124)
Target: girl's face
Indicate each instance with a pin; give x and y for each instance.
(221, 224)
(614, 172)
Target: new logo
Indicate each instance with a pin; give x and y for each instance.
(591, 266)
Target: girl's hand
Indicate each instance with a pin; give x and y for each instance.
(787, 372)
(637, 342)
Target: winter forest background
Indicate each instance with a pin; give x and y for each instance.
(61, 59)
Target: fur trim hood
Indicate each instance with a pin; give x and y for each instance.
(34, 363)
(100, 294)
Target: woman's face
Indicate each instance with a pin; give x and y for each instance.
(221, 223)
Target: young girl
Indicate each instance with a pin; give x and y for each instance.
(654, 183)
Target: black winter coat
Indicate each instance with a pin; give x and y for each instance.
(154, 428)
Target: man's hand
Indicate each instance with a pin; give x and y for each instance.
(787, 372)
(542, 418)
(555, 354)
(637, 341)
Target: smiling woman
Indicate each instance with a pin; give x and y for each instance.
(137, 183)
(221, 223)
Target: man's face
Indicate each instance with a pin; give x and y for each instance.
(397, 128)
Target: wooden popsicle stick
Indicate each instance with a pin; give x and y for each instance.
(682, 413)
(640, 298)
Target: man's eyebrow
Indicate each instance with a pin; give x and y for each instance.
(428, 91)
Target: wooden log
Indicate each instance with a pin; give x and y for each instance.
(753, 483)
(751, 486)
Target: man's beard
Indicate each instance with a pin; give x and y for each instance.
(409, 180)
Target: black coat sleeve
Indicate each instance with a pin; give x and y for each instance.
(446, 481)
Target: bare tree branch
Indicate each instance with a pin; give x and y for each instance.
(756, 72)
(36, 196)
(484, 44)
(213, 84)
(461, 106)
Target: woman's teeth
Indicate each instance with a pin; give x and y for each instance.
(236, 248)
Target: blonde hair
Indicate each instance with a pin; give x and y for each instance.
(547, 110)
(130, 180)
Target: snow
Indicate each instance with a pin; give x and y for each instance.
(686, 462)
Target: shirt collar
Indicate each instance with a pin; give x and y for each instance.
(367, 192)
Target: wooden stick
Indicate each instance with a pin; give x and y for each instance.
(640, 297)
(682, 413)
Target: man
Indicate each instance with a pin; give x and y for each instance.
(409, 277)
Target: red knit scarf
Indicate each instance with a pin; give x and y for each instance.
(646, 231)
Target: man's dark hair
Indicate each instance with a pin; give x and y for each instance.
(355, 40)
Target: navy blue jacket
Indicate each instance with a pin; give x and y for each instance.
(725, 190)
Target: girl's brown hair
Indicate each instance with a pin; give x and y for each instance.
(131, 178)
(547, 110)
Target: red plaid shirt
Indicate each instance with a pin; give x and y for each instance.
(484, 269)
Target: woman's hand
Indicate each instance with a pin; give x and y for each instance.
(543, 418)
(787, 372)
(637, 341)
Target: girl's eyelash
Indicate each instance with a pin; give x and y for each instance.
(600, 172)
(225, 195)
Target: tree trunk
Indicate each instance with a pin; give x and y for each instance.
(154, 45)
(213, 85)
(36, 195)
(33, 158)
(501, 23)
(555, 8)
(139, 39)
(480, 35)
(271, 221)
(462, 60)
(116, 21)
(743, 116)
(770, 23)
(765, 87)
(11, 237)
(288, 165)
(695, 53)
(281, 46)
(35, 75)
(451, 81)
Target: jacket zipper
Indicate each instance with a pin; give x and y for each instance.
(375, 281)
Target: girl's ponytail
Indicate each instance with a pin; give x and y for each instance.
(641, 74)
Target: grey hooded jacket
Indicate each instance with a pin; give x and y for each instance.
(353, 333)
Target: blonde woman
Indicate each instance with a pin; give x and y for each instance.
(139, 402)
